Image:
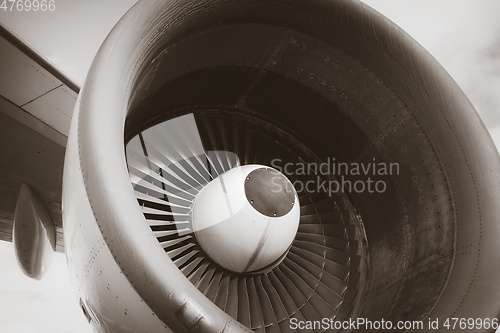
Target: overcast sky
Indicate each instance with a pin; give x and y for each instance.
(463, 35)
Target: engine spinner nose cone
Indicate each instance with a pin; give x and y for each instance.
(269, 192)
(246, 219)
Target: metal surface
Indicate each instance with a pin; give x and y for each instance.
(34, 236)
(344, 82)
(31, 158)
(26, 50)
(269, 192)
(54, 108)
(323, 254)
(232, 232)
(36, 104)
(22, 80)
(33, 84)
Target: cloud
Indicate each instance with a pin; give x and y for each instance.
(46, 306)
(20, 327)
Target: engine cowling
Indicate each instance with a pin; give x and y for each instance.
(320, 82)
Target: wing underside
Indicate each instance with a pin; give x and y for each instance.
(36, 105)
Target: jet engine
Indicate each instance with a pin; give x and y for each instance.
(254, 164)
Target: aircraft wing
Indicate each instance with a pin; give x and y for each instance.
(36, 105)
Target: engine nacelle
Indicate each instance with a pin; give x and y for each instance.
(307, 83)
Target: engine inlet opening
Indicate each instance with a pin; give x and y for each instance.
(205, 182)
